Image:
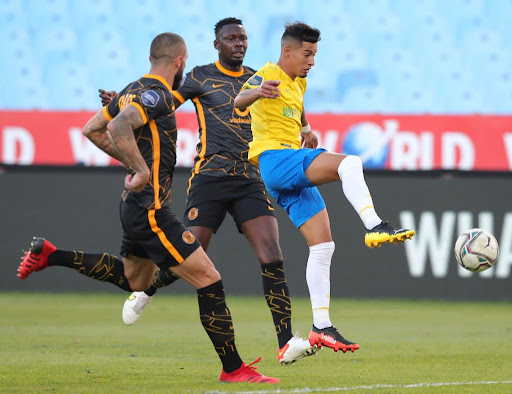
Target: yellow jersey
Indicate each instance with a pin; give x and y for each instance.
(276, 123)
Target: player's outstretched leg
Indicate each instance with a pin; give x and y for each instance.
(332, 338)
(355, 189)
(103, 266)
(138, 300)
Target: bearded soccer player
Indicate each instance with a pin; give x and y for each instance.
(223, 180)
(138, 128)
(291, 173)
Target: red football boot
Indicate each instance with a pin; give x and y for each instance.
(37, 258)
(246, 373)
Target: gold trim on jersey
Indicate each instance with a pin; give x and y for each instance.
(161, 235)
(106, 114)
(156, 162)
(190, 182)
(229, 72)
(202, 124)
(141, 110)
(177, 94)
(158, 77)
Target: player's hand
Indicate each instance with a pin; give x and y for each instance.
(309, 140)
(106, 96)
(136, 182)
(269, 89)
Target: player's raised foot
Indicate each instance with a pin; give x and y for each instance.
(246, 373)
(36, 259)
(383, 233)
(134, 306)
(295, 349)
(331, 337)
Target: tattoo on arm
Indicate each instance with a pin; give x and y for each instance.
(121, 132)
(96, 131)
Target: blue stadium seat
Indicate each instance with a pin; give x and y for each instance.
(412, 98)
(463, 99)
(365, 99)
(498, 92)
(375, 55)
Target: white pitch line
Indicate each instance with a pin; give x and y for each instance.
(372, 387)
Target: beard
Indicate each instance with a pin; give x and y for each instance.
(176, 83)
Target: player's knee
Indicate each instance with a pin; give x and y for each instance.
(270, 252)
(324, 250)
(349, 163)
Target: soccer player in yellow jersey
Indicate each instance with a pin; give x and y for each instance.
(290, 173)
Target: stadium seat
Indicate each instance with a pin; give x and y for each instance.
(365, 99)
(401, 55)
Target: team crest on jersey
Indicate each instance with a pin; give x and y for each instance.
(193, 213)
(188, 237)
(256, 80)
(150, 98)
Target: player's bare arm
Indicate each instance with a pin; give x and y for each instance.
(268, 89)
(308, 138)
(121, 130)
(96, 131)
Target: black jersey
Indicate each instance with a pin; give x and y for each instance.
(156, 139)
(225, 131)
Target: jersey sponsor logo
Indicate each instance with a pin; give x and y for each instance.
(188, 237)
(290, 112)
(217, 85)
(193, 213)
(244, 116)
(255, 80)
(150, 98)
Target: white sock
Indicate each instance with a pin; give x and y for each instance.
(356, 191)
(318, 273)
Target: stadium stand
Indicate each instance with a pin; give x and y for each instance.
(401, 56)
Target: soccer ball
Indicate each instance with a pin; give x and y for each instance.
(476, 250)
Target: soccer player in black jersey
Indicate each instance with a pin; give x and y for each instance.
(223, 181)
(138, 128)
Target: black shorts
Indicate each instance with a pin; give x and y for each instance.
(155, 234)
(209, 198)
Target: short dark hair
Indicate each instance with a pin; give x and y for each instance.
(167, 45)
(301, 32)
(226, 21)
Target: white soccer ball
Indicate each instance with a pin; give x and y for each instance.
(476, 250)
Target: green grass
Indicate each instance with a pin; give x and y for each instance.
(77, 343)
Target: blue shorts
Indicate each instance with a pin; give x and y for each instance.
(284, 174)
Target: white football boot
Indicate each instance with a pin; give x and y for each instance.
(295, 349)
(134, 306)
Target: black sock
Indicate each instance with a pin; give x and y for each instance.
(217, 322)
(162, 278)
(278, 300)
(103, 267)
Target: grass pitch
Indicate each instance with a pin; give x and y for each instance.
(78, 343)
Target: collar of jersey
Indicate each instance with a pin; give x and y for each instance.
(229, 72)
(159, 78)
(283, 72)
